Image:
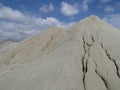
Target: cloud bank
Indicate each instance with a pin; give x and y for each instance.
(16, 25)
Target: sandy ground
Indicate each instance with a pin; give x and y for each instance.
(86, 57)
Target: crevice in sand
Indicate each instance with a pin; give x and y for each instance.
(96, 71)
(85, 58)
(113, 60)
(101, 77)
(84, 68)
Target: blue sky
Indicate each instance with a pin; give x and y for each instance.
(22, 18)
(96, 7)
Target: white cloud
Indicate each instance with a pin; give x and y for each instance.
(10, 14)
(109, 9)
(85, 4)
(113, 20)
(105, 1)
(46, 8)
(68, 9)
(17, 25)
(85, 7)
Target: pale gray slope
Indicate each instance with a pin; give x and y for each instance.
(87, 57)
(6, 45)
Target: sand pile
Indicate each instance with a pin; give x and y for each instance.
(86, 57)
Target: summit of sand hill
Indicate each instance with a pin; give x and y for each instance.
(85, 57)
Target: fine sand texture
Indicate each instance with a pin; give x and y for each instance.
(6, 45)
(85, 57)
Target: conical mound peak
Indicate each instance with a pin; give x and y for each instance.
(93, 23)
(89, 24)
(91, 18)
